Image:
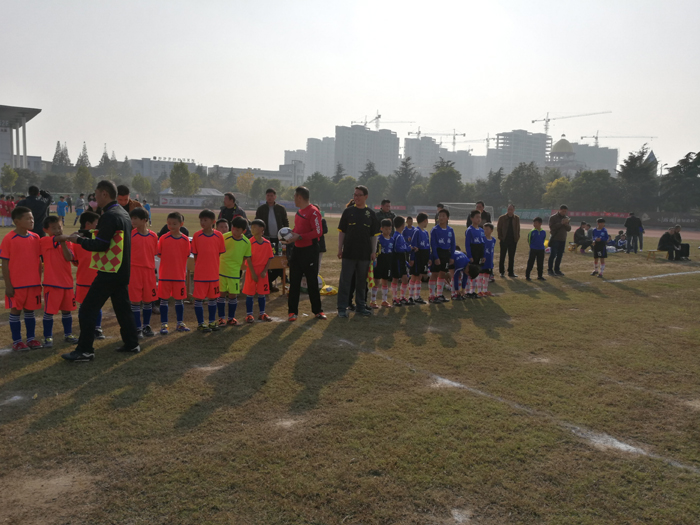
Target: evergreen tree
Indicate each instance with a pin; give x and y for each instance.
(403, 180)
(125, 167)
(369, 172)
(181, 181)
(524, 186)
(8, 178)
(489, 189)
(104, 160)
(65, 156)
(638, 181)
(339, 173)
(230, 184)
(320, 187)
(445, 182)
(83, 159)
(83, 182)
(680, 187)
(57, 161)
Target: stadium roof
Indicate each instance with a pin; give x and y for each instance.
(203, 192)
(13, 114)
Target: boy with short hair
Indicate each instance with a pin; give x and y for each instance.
(237, 252)
(463, 272)
(20, 252)
(535, 240)
(399, 272)
(600, 251)
(223, 226)
(385, 260)
(58, 280)
(84, 276)
(61, 207)
(474, 248)
(409, 230)
(207, 246)
(420, 257)
(487, 265)
(142, 283)
(173, 250)
(442, 244)
(256, 275)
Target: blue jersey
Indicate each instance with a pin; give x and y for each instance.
(400, 244)
(441, 239)
(408, 233)
(536, 238)
(61, 208)
(385, 246)
(489, 247)
(147, 207)
(473, 236)
(461, 261)
(600, 235)
(420, 240)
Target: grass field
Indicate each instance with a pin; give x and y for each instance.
(576, 400)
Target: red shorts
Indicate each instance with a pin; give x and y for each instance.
(58, 299)
(25, 299)
(80, 293)
(250, 287)
(206, 290)
(142, 285)
(174, 289)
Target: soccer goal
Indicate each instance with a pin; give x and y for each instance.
(461, 210)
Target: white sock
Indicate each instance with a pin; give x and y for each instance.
(385, 292)
(374, 294)
(432, 284)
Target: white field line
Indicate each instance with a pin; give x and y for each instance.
(650, 277)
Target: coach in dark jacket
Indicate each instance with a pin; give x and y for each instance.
(108, 284)
(633, 225)
(38, 202)
(275, 218)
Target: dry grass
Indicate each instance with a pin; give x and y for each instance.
(340, 421)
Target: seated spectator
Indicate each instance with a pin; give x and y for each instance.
(667, 243)
(685, 247)
(621, 243)
(617, 237)
(581, 238)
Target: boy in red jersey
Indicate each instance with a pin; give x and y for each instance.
(58, 280)
(85, 275)
(207, 246)
(20, 252)
(11, 205)
(256, 277)
(3, 211)
(173, 250)
(142, 283)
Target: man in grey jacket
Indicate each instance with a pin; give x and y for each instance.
(559, 228)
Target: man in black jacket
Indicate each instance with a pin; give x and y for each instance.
(633, 226)
(113, 224)
(38, 202)
(275, 218)
(230, 210)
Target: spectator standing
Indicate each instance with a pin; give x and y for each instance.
(581, 237)
(357, 247)
(38, 202)
(386, 213)
(69, 201)
(559, 228)
(79, 208)
(633, 225)
(61, 207)
(230, 210)
(508, 232)
(147, 207)
(485, 216)
(322, 240)
(124, 199)
(275, 217)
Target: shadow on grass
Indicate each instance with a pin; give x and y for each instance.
(486, 314)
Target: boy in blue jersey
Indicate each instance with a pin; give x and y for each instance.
(487, 265)
(399, 272)
(600, 251)
(385, 262)
(463, 272)
(535, 240)
(61, 207)
(442, 249)
(474, 248)
(409, 230)
(420, 257)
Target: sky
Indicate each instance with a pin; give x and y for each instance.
(236, 83)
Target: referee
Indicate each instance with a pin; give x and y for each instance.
(112, 280)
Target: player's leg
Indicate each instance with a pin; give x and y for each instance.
(295, 275)
(405, 296)
(249, 318)
(121, 306)
(530, 263)
(200, 293)
(16, 328)
(214, 293)
(595, 265)
(394, 288)
(263, 290)
(311, 256)
(361, 270)
(67, 321)
(136, 312)
(540, 264)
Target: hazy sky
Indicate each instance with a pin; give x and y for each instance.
(238, 82)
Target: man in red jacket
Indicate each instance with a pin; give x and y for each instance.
(303, 261)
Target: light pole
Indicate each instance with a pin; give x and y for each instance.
(661, 174)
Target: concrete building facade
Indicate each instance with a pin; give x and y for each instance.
(320, 156)
(355, 145)
(519, 145)
(13, 137)
(154, 167)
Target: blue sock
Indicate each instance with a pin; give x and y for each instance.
(48, 325)
(221, 305)
(98, 324)
(67, 324)
(249, 304)
(136, 310)
(180, 312)
(261, 303)
(164, 311)
(212, 310)
(147, 311)
(16, 328)
(199, 311)
(30, 324)
(232, 304)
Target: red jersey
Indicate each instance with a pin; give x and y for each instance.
(307, 223)
(24, 254)
(173, 253)
(57, 271)
(11, 205)
(261, 252)
(207, 248)
(144, 249)
(85, 275)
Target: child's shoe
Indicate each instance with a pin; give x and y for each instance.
(99, 334)
(397, 302)
(48, 342)
(292, 317)
(488, 294)
(595, 272)
(70, 339)
(19, 347)
(600, 275)
(249, 319)
(222, 321)
(481, 294)
(148, 331)
(372, 305)
(404, 301)
(181, 327)
(419, 300)
(34, 344)
(204, 328)
(164, 329)
(265, 317)
(232, 322)
(214, 326)
(385, 304)
(410, 302)
(139, 333)
(443, 299)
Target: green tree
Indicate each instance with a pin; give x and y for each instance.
(57, 162)
(344, 189)
(403, 180)
(83, 159)
(230, 183)
(261, 184)
(416, 195)
(595, 191)
(638, 181)
(369, 172)
(141, 184)
(680, 187)
(181, 180)
(57, 183)
(445, 182)
(244, 182)
(83, 182)
(524, 186)
(469, 192)
(125, 168)
(320, 187)
(377, 187)
(8, 178)
(26, 178)
(489, 189)
(104, 159)
(339, 173)
(557, 192)
(552, 174)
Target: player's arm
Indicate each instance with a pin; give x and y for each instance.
(106, 229)
(375, 240)
(251, 270)
(67, 253)
(9, 290)
(341, 240)
(468, 245)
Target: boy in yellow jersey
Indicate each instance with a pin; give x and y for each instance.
(230, 264)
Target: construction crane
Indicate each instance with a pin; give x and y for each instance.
(377, 121)
(596, 137)
(546, 120)
(454, 136)
(488, 140)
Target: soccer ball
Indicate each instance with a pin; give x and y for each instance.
(284, 234)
